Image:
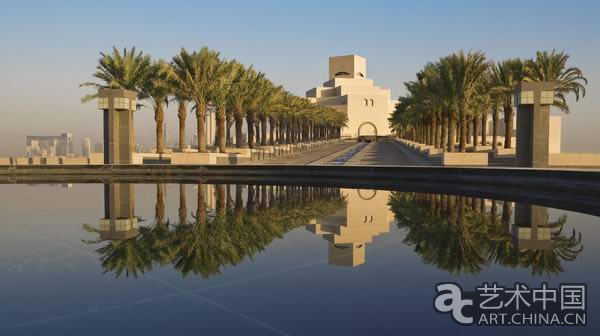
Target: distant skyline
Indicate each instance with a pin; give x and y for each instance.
(50, 47)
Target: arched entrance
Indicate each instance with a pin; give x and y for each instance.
(367, 132)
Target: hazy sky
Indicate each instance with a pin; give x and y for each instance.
(49, 47)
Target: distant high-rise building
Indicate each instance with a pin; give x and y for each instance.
(49, 145)
(86, 147)
(194, 141)
(98, 148)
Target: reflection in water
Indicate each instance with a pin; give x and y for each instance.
(222, 231)
(458, 234)
(232, 222)
(351, 228)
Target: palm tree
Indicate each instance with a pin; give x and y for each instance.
(552, 67)
(156, 89)
(258, 87)
(467, 72)
(194, 76)
(506, 75)
(119, 71)
(220, 98)
(182, 102)
(238, 97)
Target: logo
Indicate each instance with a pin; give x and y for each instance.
(493, 305)
(449, 299)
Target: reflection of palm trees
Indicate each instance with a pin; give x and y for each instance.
(457, 236)
(562, 248)
(131, 256)
(214, 239)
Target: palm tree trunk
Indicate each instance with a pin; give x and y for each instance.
(221, 129)
(476, 122)
(250, 122)
(228, 124)
(181, 114)
(159, 118)
(257, 130)
(436, 131)
(484, 121)
(239, 120)
(263, 131)
(469, 131)
(462, 119)
(271, 132)
(200, 125)
(451, 133)
(508, 120)
(444, 135)
(495, 128)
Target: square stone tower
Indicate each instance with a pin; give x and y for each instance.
(349, 66)
(533, 101)
(117, 106)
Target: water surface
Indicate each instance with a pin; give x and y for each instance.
(255, 259)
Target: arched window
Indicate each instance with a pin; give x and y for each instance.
(372, 102)
(341, 73)
(366, 102)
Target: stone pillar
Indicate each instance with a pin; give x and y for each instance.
(533, 101)
(119, 220)
(118, 106)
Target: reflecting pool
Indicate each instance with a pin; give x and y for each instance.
(239, 259)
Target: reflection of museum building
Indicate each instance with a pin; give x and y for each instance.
(348, 90)
(349, 230)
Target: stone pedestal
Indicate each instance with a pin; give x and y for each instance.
(533, 101)
(119, 220)
(118, 106)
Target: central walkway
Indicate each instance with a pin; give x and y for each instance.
(381, 152)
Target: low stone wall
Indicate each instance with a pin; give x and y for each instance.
(460, 159)
(504, 152)
(74, 161)
(437, 157)
(574, 159)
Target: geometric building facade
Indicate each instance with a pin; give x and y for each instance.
(348, 90)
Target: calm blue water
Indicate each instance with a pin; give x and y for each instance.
(153, 259)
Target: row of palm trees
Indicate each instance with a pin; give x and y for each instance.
(452, 97)
(202, 81)
(238, 228)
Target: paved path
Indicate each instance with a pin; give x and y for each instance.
(309, 156)
(387, 152)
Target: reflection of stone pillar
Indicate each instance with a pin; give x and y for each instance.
(533, 100)
(119, 221)
(531, 227)
(119, 132)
